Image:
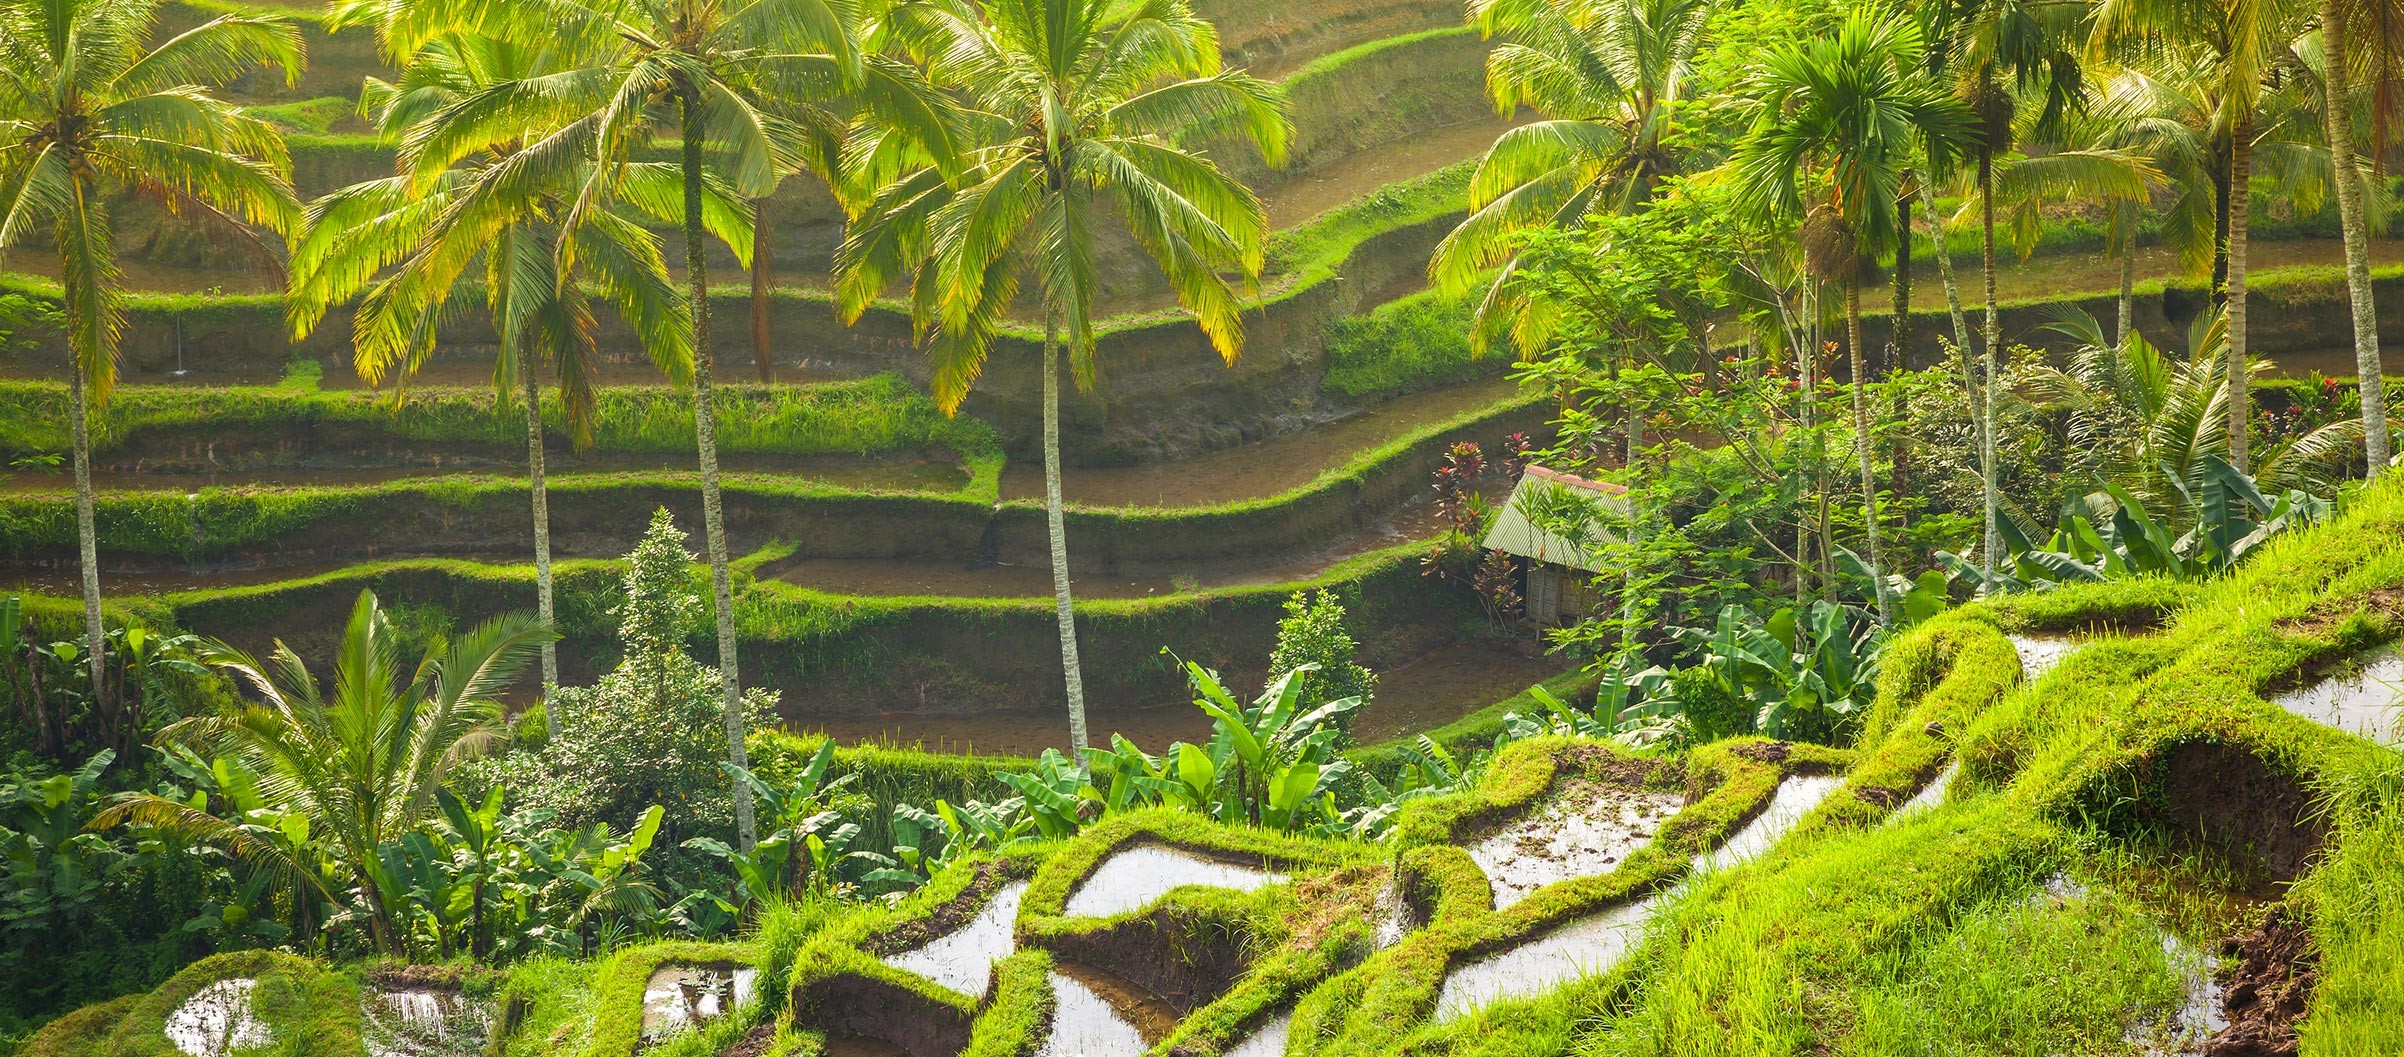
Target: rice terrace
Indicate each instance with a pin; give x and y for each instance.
(1200, 528)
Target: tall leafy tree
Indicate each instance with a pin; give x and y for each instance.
(1073, 114)
(1840, 118)
(2237, 43)
(411, 242)
(91, 110)
(1609, 76)
(362, 758)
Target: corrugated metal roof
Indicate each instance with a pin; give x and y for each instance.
(1513, 533)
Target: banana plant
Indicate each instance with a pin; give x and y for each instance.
(1806, 675)
(1274, 758)
(1052, 795)
(2110, 535)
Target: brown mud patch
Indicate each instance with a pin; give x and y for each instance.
(1765, 751)
(1181, 956)
(754, 1043)
(1878, 796)
(2266, 986)
(2233, 798)
(849, 1007)
(1582, 828)
(2321, 618)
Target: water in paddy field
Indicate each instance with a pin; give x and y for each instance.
(1261, 468)
(963, 959)
(217, 1020)
(1593, 944)
(1268, 1040)
(1589, 828)
(1084, 1024)
(1131, 878)
(2368, 701)
(1426, 693)
(1929, 795)
(2040, 653)
(679, 997)
(424, 1022)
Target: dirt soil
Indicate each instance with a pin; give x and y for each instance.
(754, 1043)
(946, 918)
(2266, 986)
(872, 1009)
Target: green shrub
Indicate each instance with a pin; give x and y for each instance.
(1403, 346)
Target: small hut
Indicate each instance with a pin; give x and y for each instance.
(1560, 571)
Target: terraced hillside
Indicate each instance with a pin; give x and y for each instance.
(2084, 820)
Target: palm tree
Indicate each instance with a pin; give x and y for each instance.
(1074, 111)
(2338, 117)
(409, 240)
(1845, 106)
(2237, 42)
(1608, 74)
(362, 766)
(90, 111)
(718, 75)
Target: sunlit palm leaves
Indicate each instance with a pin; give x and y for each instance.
(1608, 75)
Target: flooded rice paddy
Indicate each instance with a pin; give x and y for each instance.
(424, 1022)
(1588, 828)
(2367, 700)
(1593, 944)
(896, 475)
(681, 997)
(1438, 688)
(1301, 196)
(217, 1020)
(964, 958)
(1133, 878)
(1084, 1024)
(1268, 1040)
(1929, 795)
(2040, 653)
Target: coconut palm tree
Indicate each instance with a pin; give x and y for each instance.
(1844, 109)
(1074, 110)
(2336, 67)
(361, 765)
(90, 110)
(1608, 74)
(408, 241)
(2236, 42)
(722, 78)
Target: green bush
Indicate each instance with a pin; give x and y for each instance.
(1403, 346)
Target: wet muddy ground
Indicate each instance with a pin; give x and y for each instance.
(1583, 828)
(2040, 653)
(1436, 689)
(906, 475)
(679, 997)
(424, 1022)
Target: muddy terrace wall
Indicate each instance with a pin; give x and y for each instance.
(833, 656)
(2296, 311)
(1163, 393)
(603, 516)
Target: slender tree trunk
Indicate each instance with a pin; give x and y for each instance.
(1627, 590)
(762, 356)
(1953, 290)
(87, 539)
(1861, 444)
(2126, 214)
(2240, 399)
(1991, 335)
(705, 435)
(2340, 112)
(1057, 524)
(2221, 155)
(530, 382)
(1901, 330)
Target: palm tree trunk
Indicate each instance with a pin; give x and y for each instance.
(1900, 330)
(530, 382)
(1953, 290)
(2240, 400)
(87, 539)
(1861, 443)
(1627, 590)
(1991, 333)
(2126, 214)
(1056, 524)
(2340, 113)
(762, 356)
(705, 436)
